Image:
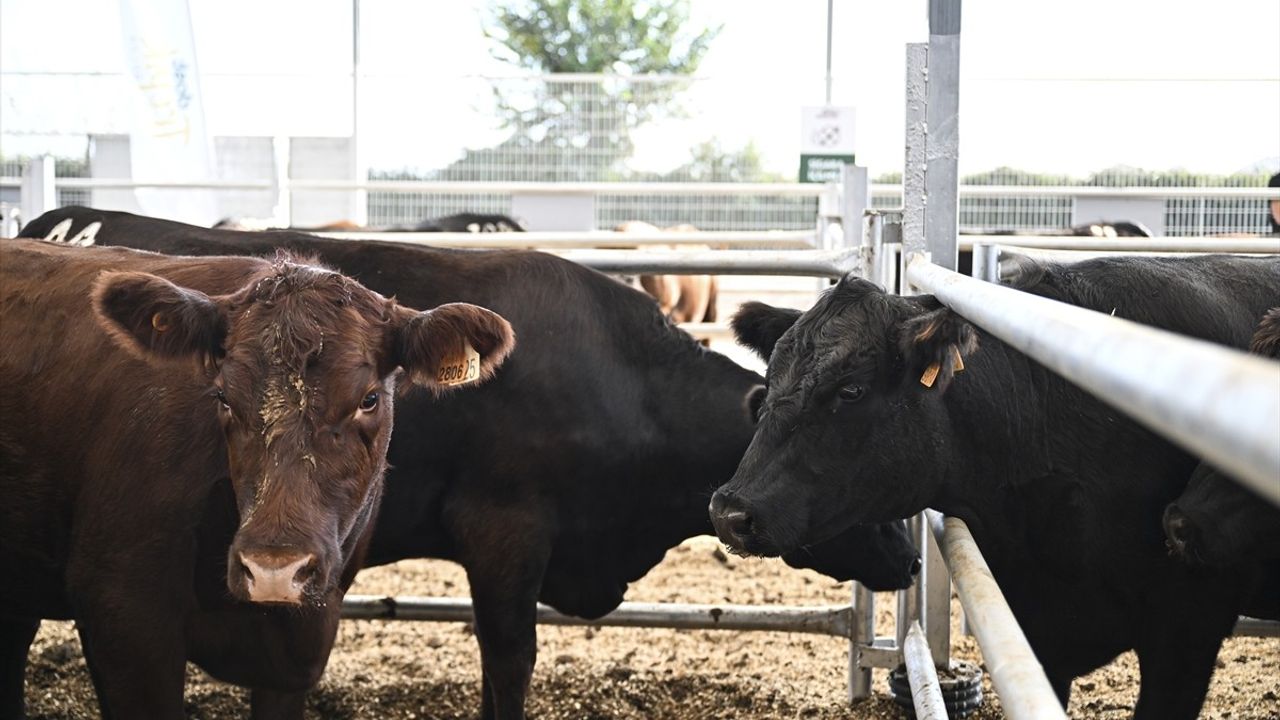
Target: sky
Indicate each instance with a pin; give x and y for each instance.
(1050, 87)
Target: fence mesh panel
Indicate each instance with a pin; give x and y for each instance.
(580, 128)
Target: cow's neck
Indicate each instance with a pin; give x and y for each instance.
(1002, 409)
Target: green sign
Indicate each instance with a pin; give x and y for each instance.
(822, 168)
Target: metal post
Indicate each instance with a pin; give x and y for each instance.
(986, 262)
(830, 4)
(283, 210)
(913, 165)
(864, 633)
(873, 249)
(38, 194)
(943, 139)
(857, 198)
(360, 213)
(936, 604)
(910, 600)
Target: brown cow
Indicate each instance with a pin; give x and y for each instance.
(683, 298)
(191, 453)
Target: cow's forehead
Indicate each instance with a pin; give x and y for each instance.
(846, 328)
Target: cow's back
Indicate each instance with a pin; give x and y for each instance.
(1212, 297)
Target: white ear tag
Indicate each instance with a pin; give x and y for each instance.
(460, 369)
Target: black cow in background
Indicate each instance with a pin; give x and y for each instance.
(868, 418)
(1222, 524)
(568, 475)
(458, 222)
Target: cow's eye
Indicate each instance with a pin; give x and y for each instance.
(222, 399)
(852, 393)
(369, 403)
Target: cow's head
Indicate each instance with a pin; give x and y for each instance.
(1218, 523)
(300, 366)
(852, 426)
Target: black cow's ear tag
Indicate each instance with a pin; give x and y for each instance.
(930, 374)
(459, 368)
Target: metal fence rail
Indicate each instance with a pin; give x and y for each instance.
(775, 239)
(1223, 404)
(824, 620)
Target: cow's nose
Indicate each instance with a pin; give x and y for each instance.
(915, 566)
(732, 520)
(273, 577)
(1180, 532)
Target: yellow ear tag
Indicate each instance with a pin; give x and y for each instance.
(930, 374)
(460, 369)
(955, 355)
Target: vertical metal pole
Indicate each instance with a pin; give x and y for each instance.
(857, 198)
(873, 249)
(911, 600)
(358, 172)
(943, 142)
(936, 603)
(986, 262)
(864, 633)
(830, 4)
(941, 225)
(913, 165)
(38, 194)
(283, 210)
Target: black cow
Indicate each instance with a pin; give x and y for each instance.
(571, 473)
(866, 419)
(1217, 521)
(458, 222)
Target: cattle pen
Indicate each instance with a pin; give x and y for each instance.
(1216, 412)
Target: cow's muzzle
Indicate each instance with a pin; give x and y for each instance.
(282, 576)
(737, 526)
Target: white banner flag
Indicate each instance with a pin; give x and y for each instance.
(168, 140)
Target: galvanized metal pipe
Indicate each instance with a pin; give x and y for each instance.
(1019, 679)
(822, 620)
(806, 263)
(800, 239)
(926, 693)
(1222, 404)
(1127, 244)
(864, 635)
(1254, 627)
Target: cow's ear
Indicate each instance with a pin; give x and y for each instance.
(935, 342)
(454, 344)
(1266, 339)
(758, 326)
(152, 318)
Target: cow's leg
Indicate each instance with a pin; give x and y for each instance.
(16, 635)
(505, 573)
(137, 661)
(273, 705)
(1176, 667)
(1062, 688)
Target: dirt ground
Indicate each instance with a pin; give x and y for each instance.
(432, 670)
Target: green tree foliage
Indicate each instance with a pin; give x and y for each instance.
(627, 37)
(592, 121)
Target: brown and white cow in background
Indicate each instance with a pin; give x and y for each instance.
(683, 298)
